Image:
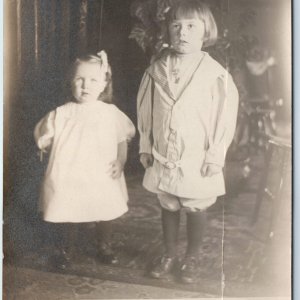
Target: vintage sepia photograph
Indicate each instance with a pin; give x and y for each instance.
(147, 149)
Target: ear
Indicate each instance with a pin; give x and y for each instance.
(205, 37)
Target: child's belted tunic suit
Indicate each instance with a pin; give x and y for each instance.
(186, 127)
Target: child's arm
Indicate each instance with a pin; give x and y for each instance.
(222, 125)
(144, 115)
(125, 132)
(117, 166)
(146, 160)
(44, 132)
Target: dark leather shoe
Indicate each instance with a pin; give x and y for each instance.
(188, 269)
(106, 255)
(163, 266)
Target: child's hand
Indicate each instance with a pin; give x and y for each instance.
(209, 170)
(116, 169)
(146, 160)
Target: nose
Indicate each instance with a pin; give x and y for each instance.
(84, 84)
(183, 31)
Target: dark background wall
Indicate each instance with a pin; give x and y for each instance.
(41, 38)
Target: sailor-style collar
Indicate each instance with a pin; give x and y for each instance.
(160, 72)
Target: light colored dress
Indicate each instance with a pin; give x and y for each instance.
(189, 126)
(83, 139)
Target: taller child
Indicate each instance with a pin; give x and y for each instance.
(187, 110)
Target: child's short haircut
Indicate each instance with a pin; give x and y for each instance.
(194, 8)
(107, 94)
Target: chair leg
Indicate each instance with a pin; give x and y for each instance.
(276, 203)
(263, 185)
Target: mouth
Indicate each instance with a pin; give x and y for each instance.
(182, 42)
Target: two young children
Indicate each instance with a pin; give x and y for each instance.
(187, 108)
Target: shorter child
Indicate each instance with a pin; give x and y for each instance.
(87, 139)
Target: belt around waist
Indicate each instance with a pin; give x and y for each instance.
(164, 161)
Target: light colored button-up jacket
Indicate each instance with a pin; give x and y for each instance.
(192, 127)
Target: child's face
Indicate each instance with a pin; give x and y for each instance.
(88, 82)
(186, 35)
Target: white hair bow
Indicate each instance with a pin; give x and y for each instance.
(103, 56)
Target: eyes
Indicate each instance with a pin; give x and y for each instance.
(178, 26)
(187, 25)
(80, 80)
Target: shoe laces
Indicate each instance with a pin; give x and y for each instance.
(164, 261)
(189, 263)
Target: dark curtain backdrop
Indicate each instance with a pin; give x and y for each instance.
(42, 38)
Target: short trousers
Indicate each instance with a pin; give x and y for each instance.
(173, 203)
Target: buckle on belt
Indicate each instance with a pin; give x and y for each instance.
(170, 165)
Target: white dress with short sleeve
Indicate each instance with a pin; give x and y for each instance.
(84, 140)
